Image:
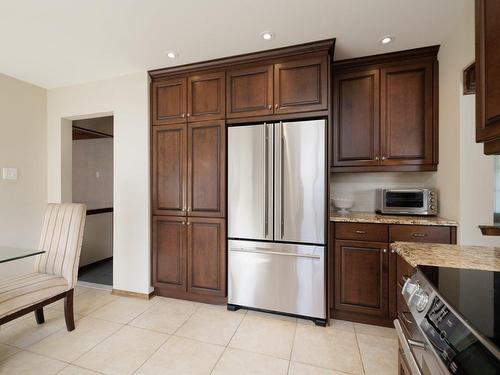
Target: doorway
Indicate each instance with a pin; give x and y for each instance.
(92, 184)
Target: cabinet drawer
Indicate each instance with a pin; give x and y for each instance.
(420, 233)
(361, 232)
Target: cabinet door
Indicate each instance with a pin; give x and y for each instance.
(169, 169)
(206, 97)
(207, 256)
(169, 101)
(249, 92)
(361, 277)
(407, 114)
(207, 169)
(487, 70)
(301, 85)
(169, 252)
(356, 118)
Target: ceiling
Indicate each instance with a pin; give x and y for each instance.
(55, 43)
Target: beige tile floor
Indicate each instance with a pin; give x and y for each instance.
(119, 335)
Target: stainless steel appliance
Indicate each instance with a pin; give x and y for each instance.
(276, 217)
(456, 318)
(407, 201)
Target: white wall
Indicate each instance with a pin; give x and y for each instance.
(127, 99)
(97, 239)
(22, 145)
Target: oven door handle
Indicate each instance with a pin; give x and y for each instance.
(405, 345)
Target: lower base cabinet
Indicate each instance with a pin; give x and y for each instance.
(189, 258)
(368, 275)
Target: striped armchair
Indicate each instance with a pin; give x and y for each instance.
(55, 272)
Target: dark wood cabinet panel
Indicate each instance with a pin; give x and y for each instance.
(356, 118)
(301, 85)
(249, 92)
(206, 168)
(169, 169)
(206, 97)
(207, 256)
(407, 114)
(169, 104)
(362, 232)
(169, 252)
(361, 277)
(487, 15)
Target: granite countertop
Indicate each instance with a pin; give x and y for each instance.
(371, 217)
(470, 257)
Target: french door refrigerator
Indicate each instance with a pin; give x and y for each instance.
(276, 218)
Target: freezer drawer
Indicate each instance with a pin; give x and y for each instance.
(278, 277)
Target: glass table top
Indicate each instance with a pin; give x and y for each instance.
(8, 253)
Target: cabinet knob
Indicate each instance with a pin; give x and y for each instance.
(276, 106)
(392, 251)
(189, 223)
(189, 114)
(377, 158)
(384, 250)
(189, 209)
(270, 106)
(183, 115)
(183, 223)
(383, 157)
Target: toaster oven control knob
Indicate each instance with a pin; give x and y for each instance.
(432, 193)
(432, 207)
(421, 299)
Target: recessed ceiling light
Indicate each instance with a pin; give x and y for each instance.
(386, 39)
(267, 35)
(171, 54)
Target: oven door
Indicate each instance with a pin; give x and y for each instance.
(406, 201)
(418, 354)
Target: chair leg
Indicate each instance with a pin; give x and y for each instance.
(68, 310)
(40, 319)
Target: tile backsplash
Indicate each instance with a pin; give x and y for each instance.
(363, 185)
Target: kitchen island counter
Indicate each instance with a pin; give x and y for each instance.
(469, 257)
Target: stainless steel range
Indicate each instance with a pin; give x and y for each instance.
(457, 318)
(276, 217)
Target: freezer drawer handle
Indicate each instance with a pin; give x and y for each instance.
(264, 251)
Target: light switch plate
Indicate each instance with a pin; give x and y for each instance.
(9, 173)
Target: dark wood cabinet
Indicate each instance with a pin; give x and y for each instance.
(206, 168)
(385, 112)
(407, 115)
(368, 275)
(169, 253)
(206, 256)
(361, 278)
(250, 92)
(487, 15)
(169, 169)
(301, 85)
(168, 101)
(206, 97)
(356, 118)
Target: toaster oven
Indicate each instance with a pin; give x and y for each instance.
(407, 201)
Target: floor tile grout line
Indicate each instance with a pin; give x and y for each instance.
(291, 350)
(359, 351)
(152, 354)
(227, 345)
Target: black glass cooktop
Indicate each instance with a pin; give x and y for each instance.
(475, 295)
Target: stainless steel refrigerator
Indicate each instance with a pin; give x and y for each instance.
(276, 217)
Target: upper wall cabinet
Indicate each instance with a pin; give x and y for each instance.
(301, 85)
(488, 75)
(385, 112)
(169, 101)
(194, 98)
(250, 92)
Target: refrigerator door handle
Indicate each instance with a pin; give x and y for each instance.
(260, 250)
(282, 180)
(266, 182)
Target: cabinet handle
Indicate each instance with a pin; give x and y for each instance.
(383, 157)
(419, 235)
(183, 223)
(188, 114)
(384, 251)
(188, 223)
(183, 115)
(270, 106)
(276, 106)
(359, 232)
(189, 209)
(377, 158)
(392, 251)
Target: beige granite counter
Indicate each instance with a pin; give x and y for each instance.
(455, 256)
(371, 217)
